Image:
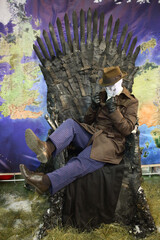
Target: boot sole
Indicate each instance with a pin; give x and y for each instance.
(32, 143)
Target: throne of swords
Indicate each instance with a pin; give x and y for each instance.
(72, 58)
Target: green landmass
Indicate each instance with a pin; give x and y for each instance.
(157, 142)
(146, 89)
(17, 88)
(141, 149)
(156, 136)
(146, 153)
(147, 66)
(146, 83)
(146, 80)
(147, 144)
(146, 46)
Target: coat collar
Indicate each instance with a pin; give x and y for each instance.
(126, 92)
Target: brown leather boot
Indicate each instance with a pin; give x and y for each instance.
(42, 149)
(40, 181)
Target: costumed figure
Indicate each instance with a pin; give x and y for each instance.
(100, 139)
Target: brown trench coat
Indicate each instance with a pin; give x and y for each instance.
(109, 130)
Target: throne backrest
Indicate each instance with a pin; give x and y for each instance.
(72, 66)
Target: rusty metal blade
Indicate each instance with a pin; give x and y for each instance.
(109, 27)
(61, 35)
(66, 19)
(95, 23)
(54, 38)
(75, 28)
(121, 41)
(44, 51)
(38, 53)
(115, 31)
(127, 41)
(136, 53)
(48, 43)
(101, 27)
(132, 47)
(89, 22)
(82, 25)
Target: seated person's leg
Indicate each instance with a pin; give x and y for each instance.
(69, 131)
(76, 167)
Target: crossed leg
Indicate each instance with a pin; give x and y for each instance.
(67, 132)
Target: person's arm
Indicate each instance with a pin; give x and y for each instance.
(123, 123)
(92, 110)
(90, 115)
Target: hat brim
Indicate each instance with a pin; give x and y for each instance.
(110, 84)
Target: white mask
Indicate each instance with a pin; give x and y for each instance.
(115, 89)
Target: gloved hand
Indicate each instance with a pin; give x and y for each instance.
(111, 104)
(95, 101)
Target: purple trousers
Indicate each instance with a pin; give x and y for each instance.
(70, 131)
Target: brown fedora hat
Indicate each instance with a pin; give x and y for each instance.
(111, 75)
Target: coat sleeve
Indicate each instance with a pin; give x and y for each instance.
(125, 123)
(90, 115)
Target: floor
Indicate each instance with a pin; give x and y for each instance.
(21, 213)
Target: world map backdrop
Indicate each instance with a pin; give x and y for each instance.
(23, 89)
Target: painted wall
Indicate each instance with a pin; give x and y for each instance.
(23, 89)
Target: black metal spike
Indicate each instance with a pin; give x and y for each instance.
(75, 28)
(61, 35)
(54, 38)
(68, 33)
(38, 53)
(109, 26)
(44, 51)
(132, 47)
(74, 47)
(121, 41)
(68, 50)
(127, 41)
(136, 53)
(89, 21)
(95, 23)
(82, 25)
(48, 43)
(115, 31)
(101, 27)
